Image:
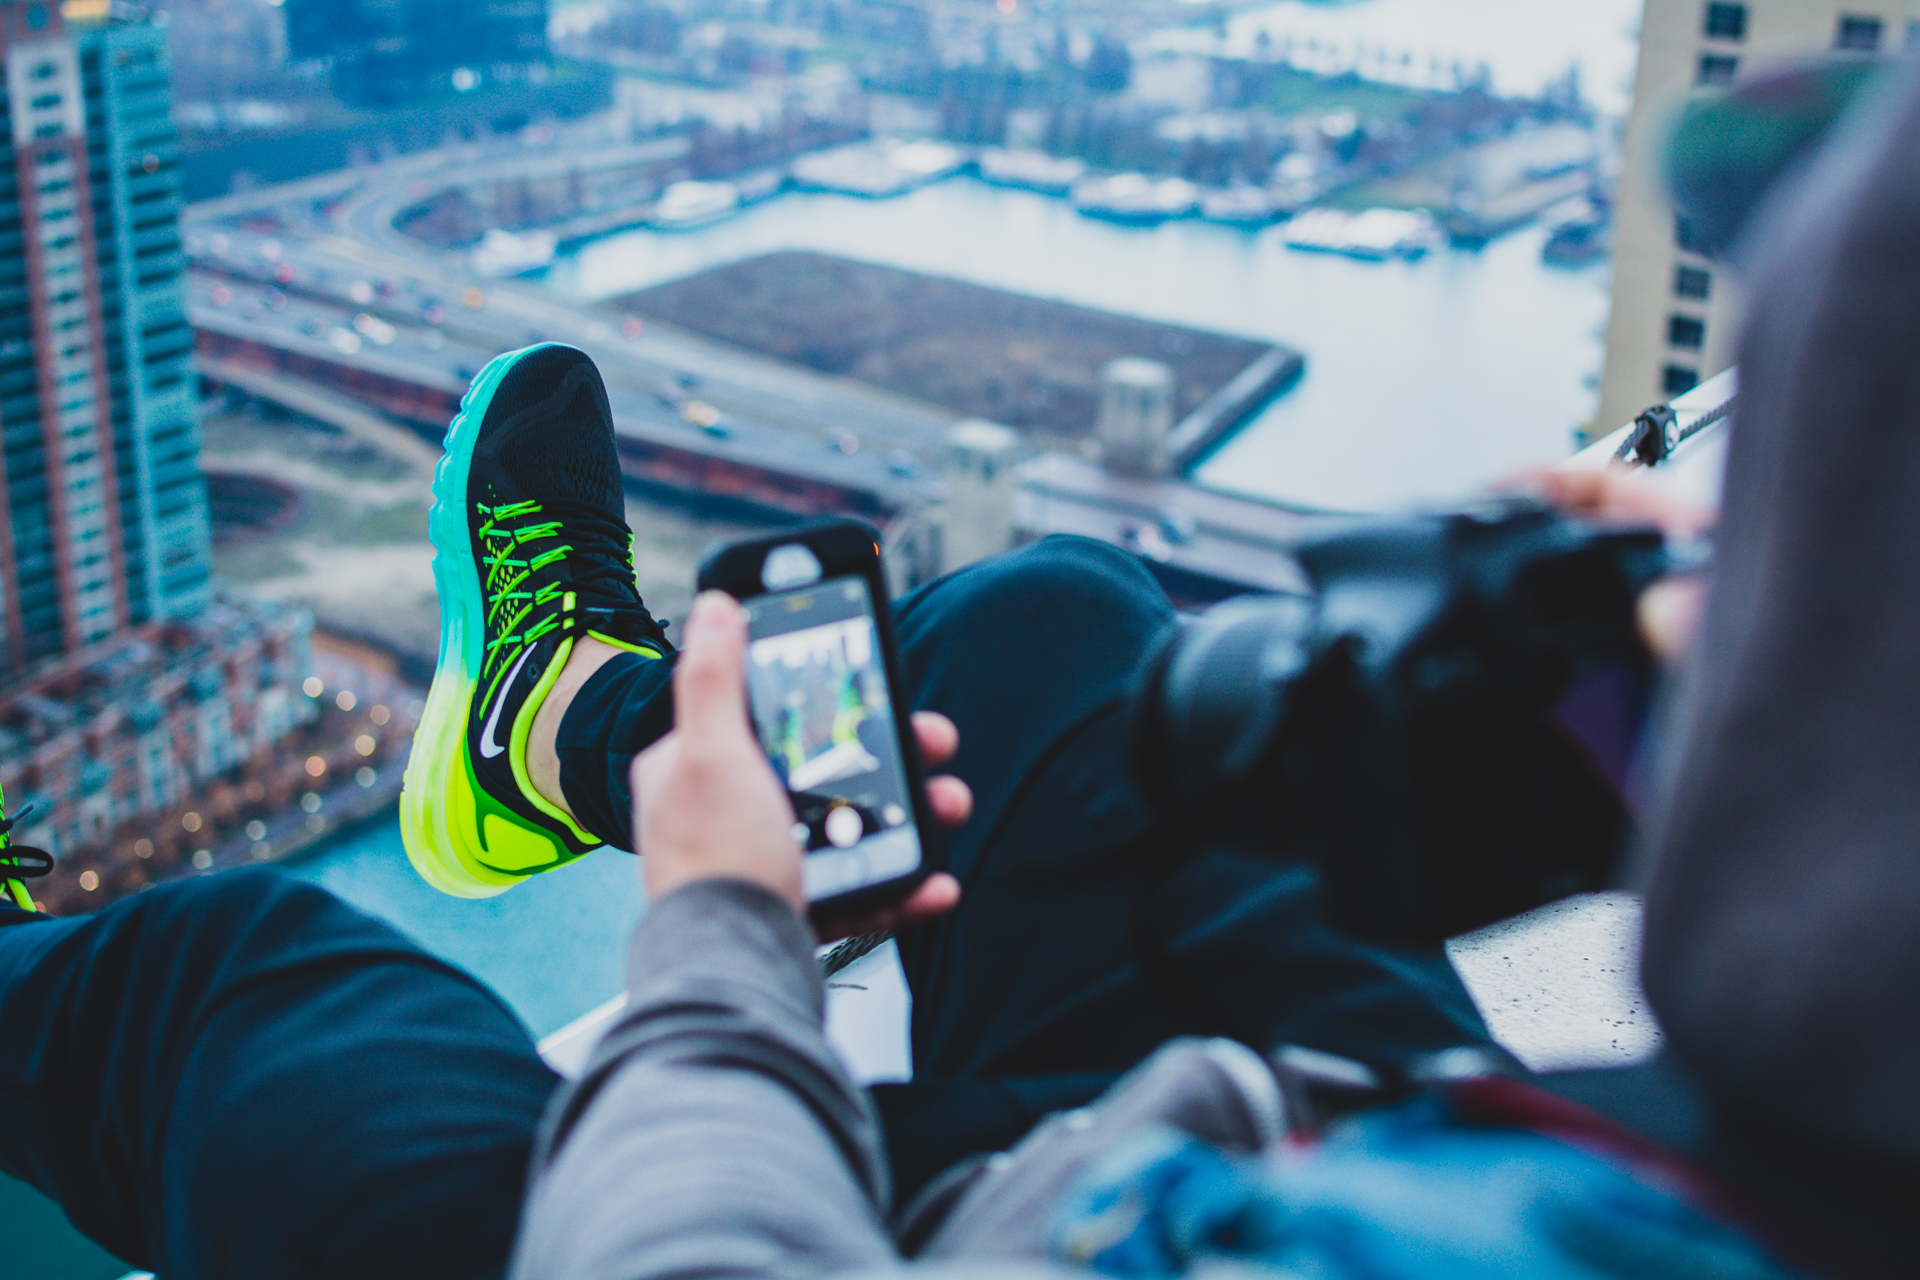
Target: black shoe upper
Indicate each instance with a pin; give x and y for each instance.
(547, 438)
(544, 516)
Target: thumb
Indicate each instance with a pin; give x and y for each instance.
(709, 685)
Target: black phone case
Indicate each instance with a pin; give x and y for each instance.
(843, 546)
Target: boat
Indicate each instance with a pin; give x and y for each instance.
(1373, 235)
(1031, 170)
(887, 167)
(1574, 244)
(1135, 199)
(1579, 235)
(1237, 206)
(508, 253)
(685, 205)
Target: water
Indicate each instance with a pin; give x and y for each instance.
(553, 948)
(1424, 381)
(1524, 43)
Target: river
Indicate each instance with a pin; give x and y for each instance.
(1424, 380)
(1523, 43)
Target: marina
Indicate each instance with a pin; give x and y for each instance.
(1424, 380)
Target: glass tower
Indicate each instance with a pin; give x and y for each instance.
(103, 512)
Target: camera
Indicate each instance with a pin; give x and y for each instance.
(1430, 725)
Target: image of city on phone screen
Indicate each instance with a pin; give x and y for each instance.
(820, 702)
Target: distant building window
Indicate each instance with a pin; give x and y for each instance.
(1715, 70)
(1685, 331)
(1727, 21)
(1678, 379)
(1860, 34)
(1685, 237)
(1691, 282)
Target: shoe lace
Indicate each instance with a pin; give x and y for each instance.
(20, 862)
(520, 539)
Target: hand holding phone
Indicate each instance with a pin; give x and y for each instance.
(822, 687)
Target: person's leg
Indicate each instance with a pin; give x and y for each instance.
(1085, 938)
(533, 563)
(238, 1076)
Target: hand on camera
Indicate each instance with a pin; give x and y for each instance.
(1669, 610)
(708, 806)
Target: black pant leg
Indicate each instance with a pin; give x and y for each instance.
(1086, 937)
(624, 708)
(241, 1077)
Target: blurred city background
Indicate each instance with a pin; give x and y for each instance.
(1183, 276)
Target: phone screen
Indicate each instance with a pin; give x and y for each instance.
(818, 689)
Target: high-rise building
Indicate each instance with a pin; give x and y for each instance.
(124, 687)
(103, 514)
(1675, 313)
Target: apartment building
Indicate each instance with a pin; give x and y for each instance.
(125, 684)
(103, 516)
(1675, 312)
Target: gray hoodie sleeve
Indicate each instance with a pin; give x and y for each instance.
(1783, 921)
(714, 1131)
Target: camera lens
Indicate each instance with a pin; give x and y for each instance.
(1214, 692)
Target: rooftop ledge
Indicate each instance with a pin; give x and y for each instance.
(1692, 470)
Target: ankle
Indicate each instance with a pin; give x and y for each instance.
(543, 757)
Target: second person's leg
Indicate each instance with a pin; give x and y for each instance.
(237, 1076)
(1087, 934)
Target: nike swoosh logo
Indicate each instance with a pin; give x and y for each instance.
(488, 747)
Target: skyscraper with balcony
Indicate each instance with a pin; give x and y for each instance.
(103, 514)
(1675, 316)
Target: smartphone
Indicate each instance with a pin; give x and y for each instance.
(823, 691)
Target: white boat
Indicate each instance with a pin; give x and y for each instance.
(694, 204)
(508, 253)
(1373, 235)
(1031, 170)
(878, 169)
(1237, 206)
(926, 159)
(1135, 198)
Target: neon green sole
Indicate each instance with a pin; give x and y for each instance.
(458, 839)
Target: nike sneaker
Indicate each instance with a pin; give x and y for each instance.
(531, 553)
(18, 863)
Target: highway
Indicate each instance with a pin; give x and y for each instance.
(312, 282)
(411, 320)
(294, 267)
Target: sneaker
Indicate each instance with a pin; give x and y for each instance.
(18, 863)
(531, 552)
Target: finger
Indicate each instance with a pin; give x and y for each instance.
(1669, 615)
(709, 685)
(952, 799)
(937, 736)
(937, 894)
